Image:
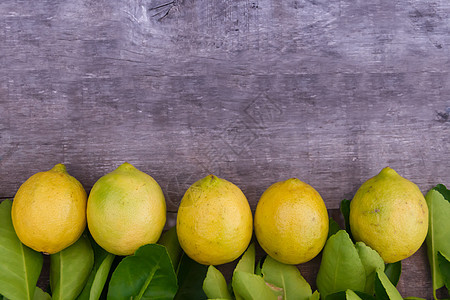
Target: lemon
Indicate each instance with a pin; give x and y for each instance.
(49, 210)
(214, 221)
(126, 209)
(291, 221)
(389, 213)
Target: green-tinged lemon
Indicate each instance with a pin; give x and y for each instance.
(389, 213)
(126, 209)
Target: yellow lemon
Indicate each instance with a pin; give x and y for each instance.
(126, 209)
(291, 221)
(214, 221)
(389, 213)
(49, 210)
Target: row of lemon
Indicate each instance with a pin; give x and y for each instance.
(126, 209)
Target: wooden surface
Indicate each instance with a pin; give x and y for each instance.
(252, 91)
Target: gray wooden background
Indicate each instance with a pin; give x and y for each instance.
(329, 91)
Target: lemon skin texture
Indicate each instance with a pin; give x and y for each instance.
(389, 213)
(214, 221)
(49, 210)
(291, 222)
(126, 209)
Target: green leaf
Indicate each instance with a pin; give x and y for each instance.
(315, 296)
(438, 237)
(372, 262)
(215, 285)
(413, 298)
(147, 274)
(99, 273)
(384, 289)
(252, 287)
(247, 261)
(444, 267)
(345, 211)
(259, 264)
(245, 264)
(351, 295)
(341, 268)
(41, 295)
(287, 277)
(70, 268)
(393, 272)
(20, 266)
(169, 239)
(334, 227)
(191, 275)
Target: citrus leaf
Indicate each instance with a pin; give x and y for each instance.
(384, 289)
(341, 268)
(444, 267)
(438, 237)
(315, 296)
(245, 264)
(351, 295)
(247, 261)
(337, 296)
(259, 265)
(252, 287)
(372, 262)
(334, 227)
(20, 266)
(393, 272)
(147, 274)
(169, 240)
(288, 278)
(191, 275)
(40, 295)
(345, 211)
(215, 285)
(99, 273)
(70, 268)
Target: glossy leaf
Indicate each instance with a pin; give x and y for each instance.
(20, 266)
(169, 239)
(444, 267)
(252, 287)
(191, 275)
(341, 268)
(70, 269)
(99, 273)
(372, 262)
(333, 227)
(259, 265)
(245, 264)
(384, 289)
(215, 285)
(147, 274)
(288, 278)
(41, 295)
(345, 211)
(247, 261)
(351, 295)
(393, 272)
(438, 237)
(315, 295)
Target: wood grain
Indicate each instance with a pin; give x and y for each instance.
(252, 91)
